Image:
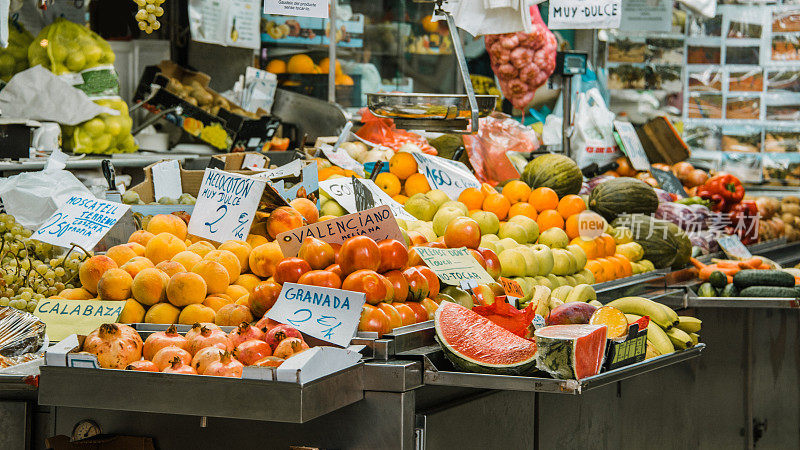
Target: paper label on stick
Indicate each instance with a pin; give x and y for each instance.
(167, 179)
(512, 288)
(632, 146)
(324, 313)
(81, 220)
(65, 317)
(452, 177)
(584, 14)
(226, 205)
(453, 265)
(292, 169)
(733, 247)
(341, 190)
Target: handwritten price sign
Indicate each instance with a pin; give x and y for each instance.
(328, 314)
(454, 265)
(81, 220)
(341, 190)
(226, 205)
(452, 177)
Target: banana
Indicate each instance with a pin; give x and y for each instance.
(644, 307)
(695, 338)
(679, 338)
(561, 293)
(541, 295)
(655, 336)
(671, 312)
(689, 324)
(581, 293)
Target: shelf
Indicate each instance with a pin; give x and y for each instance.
(93, 162)
(742, 302)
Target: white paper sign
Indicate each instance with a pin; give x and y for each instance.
(81, 220)
(167, 179)
(226, 205)
(341, 190)
(452, 177)
(632, 146)
(292, 169)
(646, 15)
(226, 22)
(324, 313)
(252, 161)
(584, 14)
(342, 159)
(299, 8)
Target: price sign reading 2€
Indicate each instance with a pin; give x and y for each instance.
(226, 205)
(452, 177)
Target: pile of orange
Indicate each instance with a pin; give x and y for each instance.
(403, 179)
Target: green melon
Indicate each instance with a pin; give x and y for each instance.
(623, 195)
(558, 172)
(663, 242)
(474, 343)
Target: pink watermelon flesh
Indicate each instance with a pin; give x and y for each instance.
(581, 359)
(471, 335)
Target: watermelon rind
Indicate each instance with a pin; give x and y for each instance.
(467, 364)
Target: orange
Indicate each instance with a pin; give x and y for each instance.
(277, 66)
(402, 199)
(549, 218)
(611, 269)
(609, 244)
(572, 227)
(570, 205)
(343, 80)
(325, 173)
(596, 267)
(389, 183)
(589, 246)
(416, 184)
(403, 165)
(516, 191)
(324, 63)
(497, 204)
(301, 63)
(624, 263)
(522, 209)
(488, 189)
(472, 198)
(543, 198)
(429, 25)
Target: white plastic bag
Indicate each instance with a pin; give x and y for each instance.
(32, 197)
(592, 140)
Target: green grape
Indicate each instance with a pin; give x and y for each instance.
(59, 286)
(59, 271)
(9, 292)
(26, 289)
(4, 301)
(31, 307)
(27, 233)
(25, 296)
(69, 286)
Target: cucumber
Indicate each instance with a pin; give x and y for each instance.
(706, 290)
(718, 279)
(751, 277)
(729, 291)
(769, 291)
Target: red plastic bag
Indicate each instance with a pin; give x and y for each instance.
(382, 131)
(498, 134)
(507, 316)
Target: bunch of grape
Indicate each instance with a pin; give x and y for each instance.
(30, 272)
(148, 14)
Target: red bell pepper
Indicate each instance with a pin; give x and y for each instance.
(744, 221)
(724, 190)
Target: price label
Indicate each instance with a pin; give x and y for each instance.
(669, 182)
(512, 288)
(632, 146)
(299, 8)
(584, 14)
(452, 177)
(167, 179)
(226, 205)
(341, 190)
(65, 317)
(81, 220)
(324, 313)
(342, 159)
(253, 161)
(293, 169)
(733, 247)
(453, 265)
(377, 223)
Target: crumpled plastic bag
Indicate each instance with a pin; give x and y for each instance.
(498, 134)
(382, 131)
(46, 190)
(508, 317)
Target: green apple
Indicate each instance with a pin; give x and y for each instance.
(491, 245)
(571, 280)
(545, 258)
(332, 208)
(580, 256)
(554, 238)
(497, 288)
(438, 197)
(456, 204)
(587, 275)
(530, 226)
(531, 282)
(544, 281)
(420, 207)
(579, 278)
(563, 262)
(505, 244)
(512, 263)
(402, 224)
(490, 237)
(459, 296)
(487, 221)
(530, 260)
(554, 281)
(443, 217)
(514, 231)
(405, 237)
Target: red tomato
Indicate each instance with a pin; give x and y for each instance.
(394, 317)
(321, 278)
(289, 270)
(374, 320)
(417, 284)
(406, 314)
(263, 297)
(419, 311)
(377, 287)
(394, 255)
(431, 306)
(318, 253)
(433, 280)
(335, 269)
(399, 284)
(359, 252)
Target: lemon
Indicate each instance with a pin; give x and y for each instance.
(76, 61)
(113, 125)
(95, 127)
(7, 64)
(100, 143)
(92, 53)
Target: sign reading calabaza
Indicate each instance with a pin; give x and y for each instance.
(65, 317)
(226, 205)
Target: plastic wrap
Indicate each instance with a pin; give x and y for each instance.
(14, 58)
(382, 131)
(498, 134)
(508, 317)
(65, 47)
(104, 134)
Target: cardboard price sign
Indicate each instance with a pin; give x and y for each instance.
(453, 265)
(341, 190)
(80, 220)
(452, 177)
(512, 288)
(632, 146)
(632, 350)
(733, 247)
(65, 317)
(669, 182)
(377, 223)
(226, 205)
(324, 313)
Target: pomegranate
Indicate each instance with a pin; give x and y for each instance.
(208, 337)
(265, 324)
(142, 365)
(115, 345)
(161, 339)
(288, 347)
(227, 366)
(281, 332)
(245, 332)
(195, 330)
(251, 351)
(178, 366)
(205, 357)
(164, 357)
(269, 361)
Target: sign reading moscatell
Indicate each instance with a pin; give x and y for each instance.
(81, 220)
(324, 313)
(226, 205)
(584, 14)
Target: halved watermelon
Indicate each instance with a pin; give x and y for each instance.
(474, 343)
(571, 351)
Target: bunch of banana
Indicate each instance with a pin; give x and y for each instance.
(667, 331)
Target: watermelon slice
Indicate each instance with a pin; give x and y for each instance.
(571, 351)
(474, 343)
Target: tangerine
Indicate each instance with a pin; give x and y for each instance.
(549, 218)
(389, 183)
(522, 209)
(516, 191)
(416, 184)
(472, 198)
(543, 198)
(403, 165)
(497, 204)
(571, 205)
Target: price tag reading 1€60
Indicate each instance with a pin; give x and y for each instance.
(80, 220)
(453, 265)
(452, 177)
(226, 205)
(328, 314)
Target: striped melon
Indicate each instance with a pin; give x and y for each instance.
(558, 172)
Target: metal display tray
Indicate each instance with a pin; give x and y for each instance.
(438, 371)
(693, 301)
(195, 395)
(635, 285)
